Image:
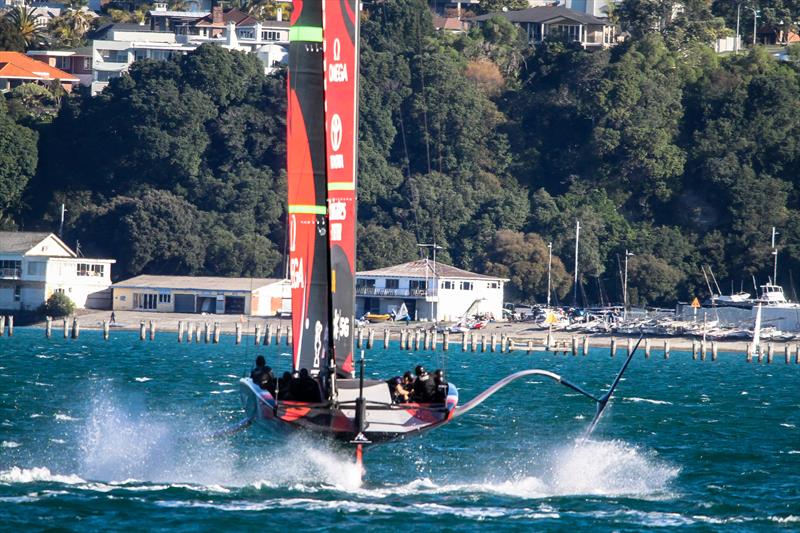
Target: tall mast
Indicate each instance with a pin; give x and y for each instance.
(549, 269)
(577, 240)
(775, 254)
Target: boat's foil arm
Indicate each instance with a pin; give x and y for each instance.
(601, 401)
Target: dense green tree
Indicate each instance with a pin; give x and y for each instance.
(10, 37)
(18, 157)
(380, 246)
(523, 259)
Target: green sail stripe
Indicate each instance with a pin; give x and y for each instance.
(305, 33)
(309, 209)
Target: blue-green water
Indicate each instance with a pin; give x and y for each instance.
(104, 436)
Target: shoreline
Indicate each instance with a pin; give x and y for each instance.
(519, 332)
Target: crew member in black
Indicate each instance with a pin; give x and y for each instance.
(398, 392)
(258, 374)
(305, 388)
(441, 386)
(424, 387)
(283, 386)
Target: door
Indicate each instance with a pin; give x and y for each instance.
(207, 304)
(184, 303)
(234, 305)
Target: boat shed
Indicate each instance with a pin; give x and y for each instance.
(430, 291)
(198, 294)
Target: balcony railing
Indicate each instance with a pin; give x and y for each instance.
(398, 293)
(12, 273)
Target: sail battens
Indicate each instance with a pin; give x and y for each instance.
(308, 209)
(309, 34)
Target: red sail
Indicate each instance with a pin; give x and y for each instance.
(341, 45)
(307, 213)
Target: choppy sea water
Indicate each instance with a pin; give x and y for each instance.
(109, 436)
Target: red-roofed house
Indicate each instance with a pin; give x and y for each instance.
(17, 68)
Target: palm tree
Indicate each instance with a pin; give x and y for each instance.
(24, 21)
(70, 28)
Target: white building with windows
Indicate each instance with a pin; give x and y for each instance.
(33, 266)
(430, 291)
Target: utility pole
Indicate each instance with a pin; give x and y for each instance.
(434, 247)
(549, 269)
(61, 226)
(738, 36)
(577, 240)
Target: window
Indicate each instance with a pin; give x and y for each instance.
(10, 268)
(144, 301)
(569, 32)
(448, 285)
(417, 284)
(87, 63)
(59, 291)
(361, 283)
(493, 284)
(164, 298)
(270, 36)
(17, 293)
(393, 283)
(246, 34)
(36, 268)
(465, 285)
(101, 75)
(87, 269)
(64, 63)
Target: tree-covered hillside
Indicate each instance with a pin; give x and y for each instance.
(487, 146)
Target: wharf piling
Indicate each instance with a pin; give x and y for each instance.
(370, 339)
(530, 347)
(10, 325)
(141, 330)
(770, 353)
(749, 355)
(493, 342)
(206, 333)
(464, 339)
(703, 350)
(180, 331)
(197, 334)
(483, 342)
(152, 330)
(258, 334)
(238, 333)
(647, 348)
(190, 332)
(76, 328)
(585, 346)
(278, 332)
(787, 354)
(714, 350)
(289, 335)
(66, 328)
(574, 346)
(666, 349)
(446, 341)
(106, 330)
(48, 327)
(387, 335)
(217, 331)
(613, 347)
(694, 350)
(2, 325)
(360, 342)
